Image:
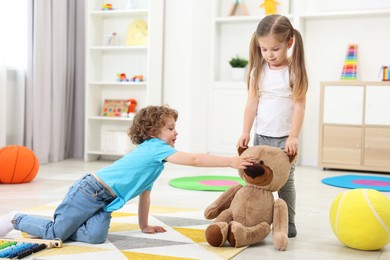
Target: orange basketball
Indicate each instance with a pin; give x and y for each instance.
(18, 164)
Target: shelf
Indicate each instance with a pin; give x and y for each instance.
(241, 19)
(106, 137)
(110, 83)
(117, 13)
(118, 48)
(130, 118)
(354, 134)
(356, 83)
(345, 14)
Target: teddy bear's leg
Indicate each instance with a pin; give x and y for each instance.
(280, 225)
(240, 236)
(216, 234)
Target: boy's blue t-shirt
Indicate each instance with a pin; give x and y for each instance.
(135, 172)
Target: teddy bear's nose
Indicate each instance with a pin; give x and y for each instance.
(261, 162)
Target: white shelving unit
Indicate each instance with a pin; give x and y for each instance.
(103, 63)
(230, 36)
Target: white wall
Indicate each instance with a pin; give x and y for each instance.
(185, 69)
(186, 57)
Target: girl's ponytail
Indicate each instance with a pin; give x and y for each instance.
(298, 68)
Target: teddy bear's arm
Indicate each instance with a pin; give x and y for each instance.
(280, 225)
(225, 216)
(222, 202)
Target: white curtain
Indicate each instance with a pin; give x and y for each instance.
(55, 79)
(12, 71)
(3, 87)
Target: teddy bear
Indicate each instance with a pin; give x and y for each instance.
(243, 215)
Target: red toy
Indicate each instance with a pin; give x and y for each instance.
(122, 77)
(132, 105)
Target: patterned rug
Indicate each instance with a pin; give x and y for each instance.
(184, 238)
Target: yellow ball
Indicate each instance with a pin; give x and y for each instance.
(360, 219)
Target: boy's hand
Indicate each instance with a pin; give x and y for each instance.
(241, 162)
(153, 229)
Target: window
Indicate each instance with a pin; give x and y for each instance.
(13, 38)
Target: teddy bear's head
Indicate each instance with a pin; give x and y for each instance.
(271, 168)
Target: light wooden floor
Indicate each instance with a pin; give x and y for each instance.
(315, 238)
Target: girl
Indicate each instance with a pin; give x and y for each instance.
(277, 86)
(85, 213)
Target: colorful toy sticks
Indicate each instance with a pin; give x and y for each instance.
(350, 64)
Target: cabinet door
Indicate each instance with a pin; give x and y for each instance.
(377, 105)
(377, 147)
(226, 118)
(343, 105)
(342, 145)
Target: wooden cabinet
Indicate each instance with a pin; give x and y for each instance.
(355, 126)
(107, 57)
(377, 147)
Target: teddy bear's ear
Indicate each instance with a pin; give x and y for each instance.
(240, 150)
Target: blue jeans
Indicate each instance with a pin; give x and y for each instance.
(79, 217)
(287, 192)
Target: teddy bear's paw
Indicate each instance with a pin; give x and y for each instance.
(240, 235)
(216, 234)
(280, 240)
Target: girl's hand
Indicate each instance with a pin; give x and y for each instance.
(241, 162)
(291, 147)
(153, 229)
(244, 140)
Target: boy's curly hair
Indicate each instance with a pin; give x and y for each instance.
(149, 121)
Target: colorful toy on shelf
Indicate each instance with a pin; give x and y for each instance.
(239, 4)
(106, 7)
(131, 107)
(115, 108)
(137, 78)
(137, 33)
(118, 107)
(350, 64)
(122, 77)
(269, 6)
(385, 70)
